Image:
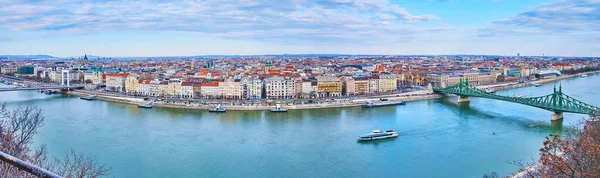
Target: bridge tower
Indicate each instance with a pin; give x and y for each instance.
(62, 78)
(557, 100)
(462, 86)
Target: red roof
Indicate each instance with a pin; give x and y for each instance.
(147, 81)
(187, 83)
(559, 64)
(274, 71)
(117, 75)
(210, 84)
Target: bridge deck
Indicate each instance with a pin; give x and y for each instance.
(40, 88)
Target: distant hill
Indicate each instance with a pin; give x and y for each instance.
(90, 57)
(22, 57)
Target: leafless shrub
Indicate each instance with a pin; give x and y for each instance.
(17, 128)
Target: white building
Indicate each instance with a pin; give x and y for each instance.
(307, 89)
(116, 82)
(187, 90)
(279, 87)
(209, 89)
(144, 87)
(251, 88)
(374, 84)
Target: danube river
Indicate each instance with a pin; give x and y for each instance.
(438, 138)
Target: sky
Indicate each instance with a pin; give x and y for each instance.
(252, 27)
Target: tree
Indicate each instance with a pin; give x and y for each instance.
(17, 128)
(576, 154)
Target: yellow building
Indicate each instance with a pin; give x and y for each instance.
(163, 89)
(132, 84)
(361, 86)
(174, 88)
(230, 89)
(388, 83)
(329, 87)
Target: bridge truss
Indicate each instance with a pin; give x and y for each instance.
(557, 101)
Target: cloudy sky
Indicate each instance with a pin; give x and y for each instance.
(203, 27)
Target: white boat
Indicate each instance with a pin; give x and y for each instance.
(377, 135)
(583, 75)
(217, 109)
(145, 105)
(89, 97)
(278, 109)
(393, 103)
(487, 90)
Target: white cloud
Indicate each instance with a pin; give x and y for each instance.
(261, 20)
(561, 16)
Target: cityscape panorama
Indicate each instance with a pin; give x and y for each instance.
(298, 88)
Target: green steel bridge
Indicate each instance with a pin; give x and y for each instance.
(557, 102)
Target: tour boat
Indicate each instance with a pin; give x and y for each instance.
(145, 105)
(49, 92)
(487, 90)
(377, 134)
(371, 104)
(89, 97)
(278, 109)
(538, 85)
(583, 75)
(217, 109)
(383, 99)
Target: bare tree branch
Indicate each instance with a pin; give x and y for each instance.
(17, 129)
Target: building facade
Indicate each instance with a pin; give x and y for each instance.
(388, 83)
(251, 88)
(230, 89)
(328, 87)
(132, 84)
(279, 88)
(209, 90)
(116, 82)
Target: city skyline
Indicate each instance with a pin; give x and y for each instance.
(413, 27)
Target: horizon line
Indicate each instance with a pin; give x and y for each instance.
(295, 54)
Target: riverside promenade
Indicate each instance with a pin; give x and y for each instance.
(321, 103)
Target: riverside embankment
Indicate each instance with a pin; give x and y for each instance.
(323, 103)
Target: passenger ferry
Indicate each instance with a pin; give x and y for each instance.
(377, 134)
(145, 105)
(278, 109)
(487, 90)
(371, 104)
(217, 109)
(89, 97)
(583, 75)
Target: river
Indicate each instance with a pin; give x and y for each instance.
(437, 138)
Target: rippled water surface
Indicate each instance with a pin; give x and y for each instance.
(438, 138)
